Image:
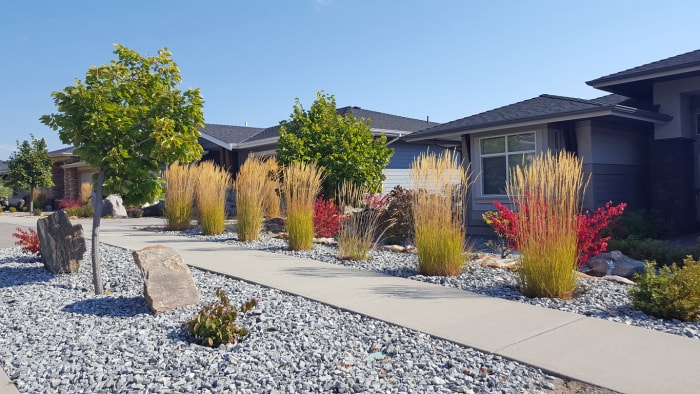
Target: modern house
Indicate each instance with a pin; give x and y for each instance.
(639, 144)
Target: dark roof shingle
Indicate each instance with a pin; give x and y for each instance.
(539, 108)
(230, 134)
(677, 62)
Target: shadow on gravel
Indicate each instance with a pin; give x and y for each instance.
(18, 276)
(109, 307)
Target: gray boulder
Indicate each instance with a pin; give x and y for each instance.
(62, 244)
(613, 263)
(167, 281)
(112, 206)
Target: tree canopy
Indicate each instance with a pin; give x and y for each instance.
(342, 144)
(128, 118)
(30, 167)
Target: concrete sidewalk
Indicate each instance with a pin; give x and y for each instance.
(612, 355)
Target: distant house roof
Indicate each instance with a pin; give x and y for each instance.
(636, 81)
(63, 152)
(4, 169)
(379, 122)
(227, 136)
(542, 109)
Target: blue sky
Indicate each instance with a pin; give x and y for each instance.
(251, 59)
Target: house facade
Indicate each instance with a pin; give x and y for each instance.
(229, 146)
(639, 144)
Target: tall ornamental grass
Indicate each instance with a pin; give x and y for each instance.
(212, 183)
(271, 189)
(547, 194)
(358, 230)
(179, 196)
(301, 183)
(250, 202)
(85, 192)
(440, 186)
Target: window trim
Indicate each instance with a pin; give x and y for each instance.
(505, 154)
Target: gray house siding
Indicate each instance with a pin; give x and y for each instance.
(398, 170)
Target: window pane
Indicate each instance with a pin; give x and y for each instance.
(493, 174)
(519, 159)
(521, 142)
(493, 145)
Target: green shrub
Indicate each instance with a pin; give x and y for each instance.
(672, 293)
(656, 250)
(12, 209)
(640, 224)
(36, 212)
(215, 324)
(84, 211)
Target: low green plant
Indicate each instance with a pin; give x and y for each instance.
(12, 209)
(670, 293)
(662, 252)
(640, 224)
(37, 212)
(84, 211)
(215, 324)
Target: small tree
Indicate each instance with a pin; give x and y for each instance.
(30, 167)
(128, 119)
(342, 144)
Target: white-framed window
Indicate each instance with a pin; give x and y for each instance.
(499, 155)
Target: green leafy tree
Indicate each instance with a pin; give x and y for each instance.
(30, 167)
(342, 144)
(128, 119)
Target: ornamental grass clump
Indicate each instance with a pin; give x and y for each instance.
(271, 188)
(301, 184)
(440, 186)
(547, 195)
(179, 196)
(359, 229)
(211, 184)
(250, 203)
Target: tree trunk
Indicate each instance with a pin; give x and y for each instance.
(97, 206)
(31, 200)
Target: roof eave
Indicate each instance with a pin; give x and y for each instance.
(603, 82)
(615, 110)
(217, 141)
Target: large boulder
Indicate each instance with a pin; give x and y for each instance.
(112, 206)
(62, 244)
(168, 283)
(154, 209)
(613, 263)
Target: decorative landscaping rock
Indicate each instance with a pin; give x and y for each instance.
(112, 206)
(274, 225)
(613, 263)
(167, 281)
(154, 210)
(62, 244)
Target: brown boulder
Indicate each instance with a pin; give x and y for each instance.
(167, 281)
(62, 244)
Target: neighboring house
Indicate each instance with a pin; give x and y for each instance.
(639, 144)
(229, 146)
(232, 144)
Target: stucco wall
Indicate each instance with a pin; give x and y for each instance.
(673, 99)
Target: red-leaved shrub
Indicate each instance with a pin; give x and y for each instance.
(326, 219)
(69, 203)
(590, 225)
(28, 240)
